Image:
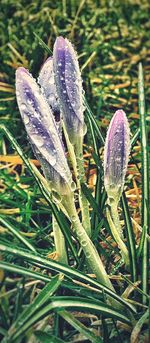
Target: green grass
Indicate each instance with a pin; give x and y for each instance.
(41, 299)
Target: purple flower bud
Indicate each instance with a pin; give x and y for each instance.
(116, 154)
(42, 131)
(69, 87)
(48, 87)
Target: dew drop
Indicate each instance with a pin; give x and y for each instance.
(52, 159)
(23, 107)
(83, 243)
(88, 254)
(51, 98)
(26, 119)
(84, 129)
(73, 218)
(38, 140)
(56, 196)
(73, 186)
(51, 81)
(80, 233)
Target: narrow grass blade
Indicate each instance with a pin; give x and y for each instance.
(77, 304)
(31, 310)
(42, 44)
(135, 137)
(136, 331)
(96, 134)
(105, 331)
(13, 268)
(79, 326)
(130, 239)
(95, 126)
(139, 290)
(96, 207)
(11, 228)
(69, 272)
(93, 135)
(27, 273)
(92, 201)
(145, 180)
(94, 220)
(142, 241)
(59, 240)
(98, 188)
(44, 337)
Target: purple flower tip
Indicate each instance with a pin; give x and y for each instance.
(60, 42)
(69, 87)
(116, 154)
(21, 70)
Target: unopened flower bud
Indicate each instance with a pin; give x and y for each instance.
(42, 131)
(116, 154)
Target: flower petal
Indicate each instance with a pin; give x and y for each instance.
(48, 87)
(41, 128)
(116, 153)
(69, 87)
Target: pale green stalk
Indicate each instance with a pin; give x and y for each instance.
(76, 156)
(114, 222)
(82, 198)
(71, 153)
(58, 235)
(59, 241)
(91, 254)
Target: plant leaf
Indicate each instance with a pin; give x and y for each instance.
(69, 272)
(79, 326)
(44, 337)
(145, 180)
(130, 238)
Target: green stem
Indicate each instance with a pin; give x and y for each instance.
(91, 254)
(59, 242)
(113, 220)
(84, 205)
(76, 156)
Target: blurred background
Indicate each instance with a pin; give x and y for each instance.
(111, 37)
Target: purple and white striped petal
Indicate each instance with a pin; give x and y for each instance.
(69, 87)
(41, 128)
(48, 87)
(116, 154)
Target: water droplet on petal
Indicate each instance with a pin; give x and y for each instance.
(38, 140)
(52, 159)
(23, 107)
(26, 119)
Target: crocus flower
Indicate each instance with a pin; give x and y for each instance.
(69, 87)
(116, 154)
(42, 131)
